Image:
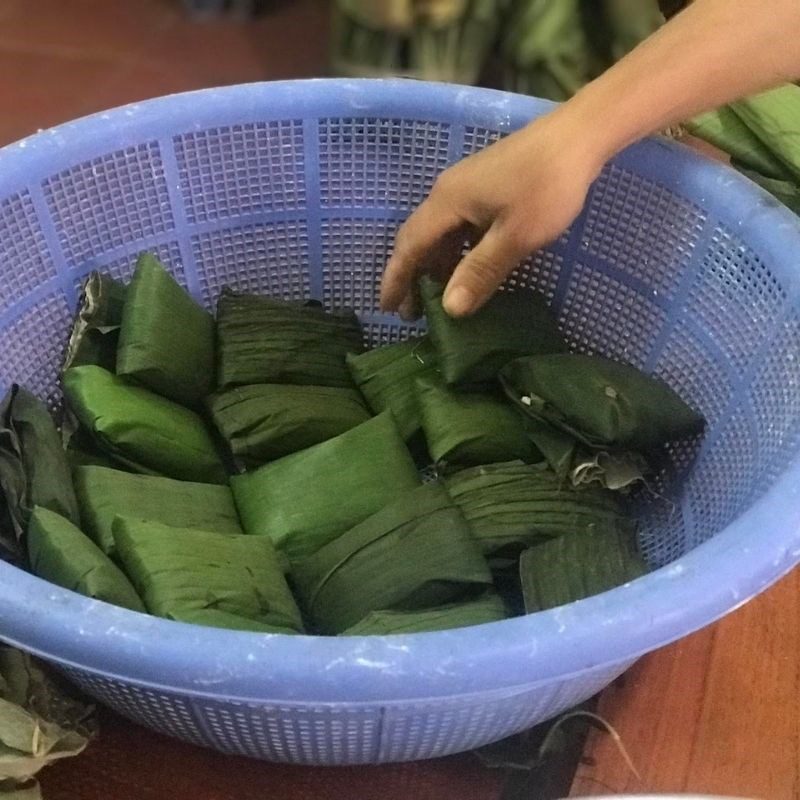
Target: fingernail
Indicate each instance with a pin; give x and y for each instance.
(458, 301)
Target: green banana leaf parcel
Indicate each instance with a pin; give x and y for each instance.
(141, 429)
(263, 422)
(180, 570)
(105, 493)
(415, 553)
(266, 340)
(61, 553)
(305, 500)
(472, 350)
(166, 341)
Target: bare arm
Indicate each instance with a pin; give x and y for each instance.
(522, 192)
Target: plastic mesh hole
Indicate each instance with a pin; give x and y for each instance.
(33, 348)
(354, 253)
(540, 272)
(294, 733)
(25, 261)
(662, 531)
(735, 297)
(601, 315)
(168, 713)
(378, 333)
(775, 398)
(243, 169)
(110, 201)
(386, 163)
(265, 259)
(476, 139)
(122, 268)
(641, 228)
(722, 482)
(695, 374)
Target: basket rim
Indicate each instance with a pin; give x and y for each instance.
(752, 552)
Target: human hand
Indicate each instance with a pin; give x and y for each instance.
(510, 199)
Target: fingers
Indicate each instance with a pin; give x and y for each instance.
(416, 240)
(483, 269)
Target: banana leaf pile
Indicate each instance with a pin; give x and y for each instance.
(761, 134)
(305, 500)
(447, 40)
(386, 375)
(180, 571)
(548, 48)
(228, 470)
(62, 554)
(415, 553)
(40, 724)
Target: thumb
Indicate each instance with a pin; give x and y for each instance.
(482, 270)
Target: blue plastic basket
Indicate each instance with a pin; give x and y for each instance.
(676, 265)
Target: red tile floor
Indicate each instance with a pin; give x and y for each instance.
(61, 59)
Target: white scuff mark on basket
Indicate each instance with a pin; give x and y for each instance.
(209, 681)
(401, 648)
(335, 663)
(369, 663)
(675, 570)
(251, 657)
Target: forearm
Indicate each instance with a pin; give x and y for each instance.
(712, 53)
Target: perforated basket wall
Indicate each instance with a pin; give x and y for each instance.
(675, 266)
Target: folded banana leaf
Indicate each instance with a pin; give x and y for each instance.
(386, 376)
(141, 429)
(471, 428)
(178, 570)
(214, 618)
(513, 505)
(105, 493)
(488, 608)
(578, 565)
(95, 332)
(266, 340)
(546, 48)
(415, 553)
(762, 135)
(305, 500)
(39, 723)
(263, 422)
(33, 469)
(472, 350)
(600, 402)
(166, 342)
(62, 554)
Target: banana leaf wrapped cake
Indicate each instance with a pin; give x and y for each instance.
(487, 608)
(511, 506)
(266, 340)
(263, 422)
(95, 332)
(331, 528)
(106, 493)
(61, 553)
(188, 574)
(307, 499)
(166, 340)
(142, 430)
(472, 350)
(415, 553)
(386, 377)
(577, 565)
(471, 427)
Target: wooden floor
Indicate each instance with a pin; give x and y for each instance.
(717, 713)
